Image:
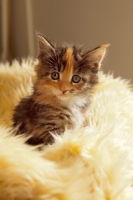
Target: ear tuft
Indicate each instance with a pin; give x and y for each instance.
(105, 45)
(43, 44)
(96, 56)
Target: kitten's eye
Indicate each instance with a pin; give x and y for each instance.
(55, 75)
(76, 79)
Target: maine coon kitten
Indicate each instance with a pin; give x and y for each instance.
(65, 76)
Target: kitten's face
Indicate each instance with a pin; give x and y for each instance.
(67, 71)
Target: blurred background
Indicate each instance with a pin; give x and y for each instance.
(87, 22)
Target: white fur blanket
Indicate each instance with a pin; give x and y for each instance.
(93, 163)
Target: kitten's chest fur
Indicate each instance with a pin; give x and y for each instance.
(73, 108)
(77, 106)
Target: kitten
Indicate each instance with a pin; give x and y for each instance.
(65, 76)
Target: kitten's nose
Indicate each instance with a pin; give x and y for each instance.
(63, 88)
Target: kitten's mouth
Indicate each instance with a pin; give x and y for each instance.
(60, 95)
(63, 96)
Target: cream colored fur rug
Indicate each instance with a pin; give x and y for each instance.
(93, 163)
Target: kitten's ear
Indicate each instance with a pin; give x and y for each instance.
(44, 44)
(95, 57)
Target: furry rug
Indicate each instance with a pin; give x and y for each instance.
(95, 162)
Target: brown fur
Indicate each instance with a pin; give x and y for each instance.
(50, 107)
(68, 58)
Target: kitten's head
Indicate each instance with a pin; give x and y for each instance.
(67, 70)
